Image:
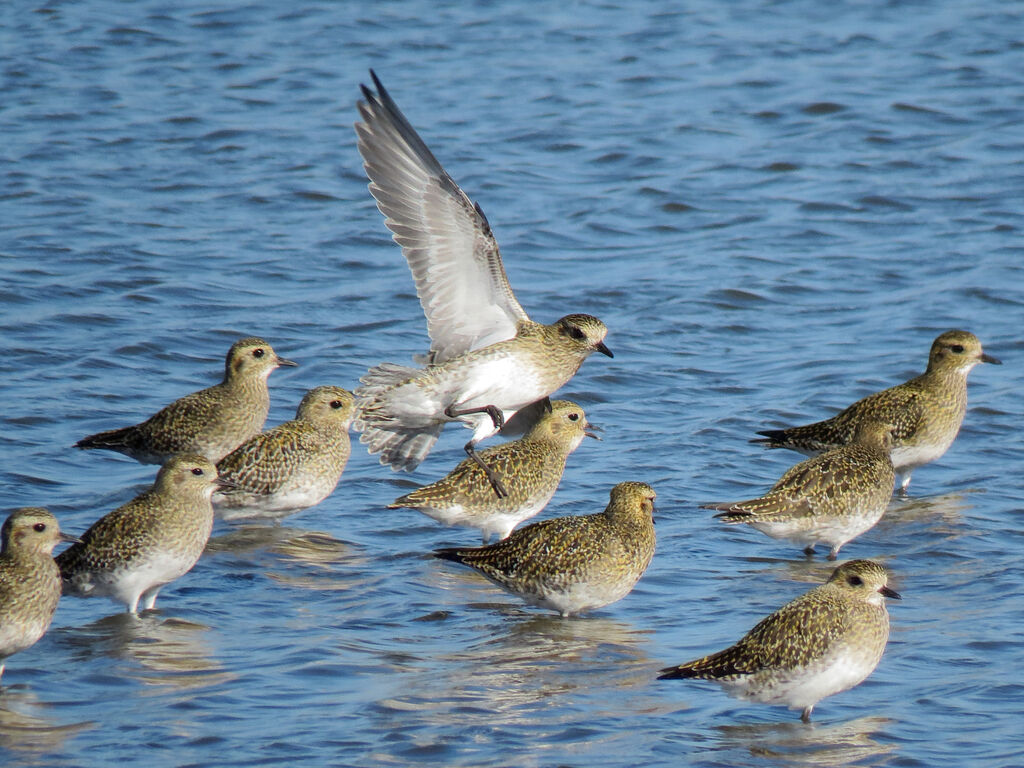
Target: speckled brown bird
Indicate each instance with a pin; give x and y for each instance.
(927, 411)
(573, 564)
(292, 466)
(211, 422)
(830, 498)
(825, 641)
(488, 359)
(130, 553)
(531, 467)
(29, 579)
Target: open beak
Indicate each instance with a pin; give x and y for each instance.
(989, 359)
(600, 347)
(890, 593)
(594, 428)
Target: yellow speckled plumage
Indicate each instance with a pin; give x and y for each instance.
(825, 641)
(29, 578)
(293, 465)
(130, 553)
(211, 422)
(926, 411)
(530, 467)
(573, 564)
(830, 498)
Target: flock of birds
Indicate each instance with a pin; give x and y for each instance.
(493, 369)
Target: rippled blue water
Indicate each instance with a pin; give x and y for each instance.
(774, 206)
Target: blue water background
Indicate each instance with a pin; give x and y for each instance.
(774, 206)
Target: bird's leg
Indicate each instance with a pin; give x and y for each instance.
(498, 419)
(149, 598)
(495, 481)
(805, 716)
(491, 410)
(809, 550)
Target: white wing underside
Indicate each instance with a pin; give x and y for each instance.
(446, 239)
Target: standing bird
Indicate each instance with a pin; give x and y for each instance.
(487, 358)
(832, 498)
(825, 641)
(927, 411)
(573, 564)
(211, 422)
(29, 579)
(293, 465)
(130, 553)
(533, 467)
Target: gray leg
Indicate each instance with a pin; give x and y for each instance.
(495, 481)
(499, 421)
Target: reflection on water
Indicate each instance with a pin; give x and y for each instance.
(945, 512)
(538, 662)
(26, 726)
(160, 651)
(293, 556)
(813, 744)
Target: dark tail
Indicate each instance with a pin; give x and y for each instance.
(113, 439)
(773, 438)
(683, 671)
(453, 554)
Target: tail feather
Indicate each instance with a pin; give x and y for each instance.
(681, 672)
(400, 448)
(734, 514)
(382, 377)
(112, 440)
(452, 553)
(773, 438)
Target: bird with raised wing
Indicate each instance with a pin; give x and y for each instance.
(487, 359)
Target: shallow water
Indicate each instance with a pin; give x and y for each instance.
(775, 208)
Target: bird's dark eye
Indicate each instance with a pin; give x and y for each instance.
(574, 417)
(39, 527)
(336, 404)
(258, 353)
(855, 581)
(958, 349)
(197, 471)
(577, 333)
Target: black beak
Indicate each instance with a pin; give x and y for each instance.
(989, 359)
(590, 433)
(600, 347)
(282, 361)
(890, 593)
(223, 483)
(69, 538)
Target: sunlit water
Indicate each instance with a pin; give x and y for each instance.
(774, 207)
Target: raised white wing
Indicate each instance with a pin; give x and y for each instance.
(446, 239)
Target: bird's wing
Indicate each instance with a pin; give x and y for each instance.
(445, 237)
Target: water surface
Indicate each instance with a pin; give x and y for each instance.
(775, 207)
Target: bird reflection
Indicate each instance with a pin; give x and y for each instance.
(817, 744)
(293, 556)
(25, 725)
(509, 677)
(945, 510)
(164, 651)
